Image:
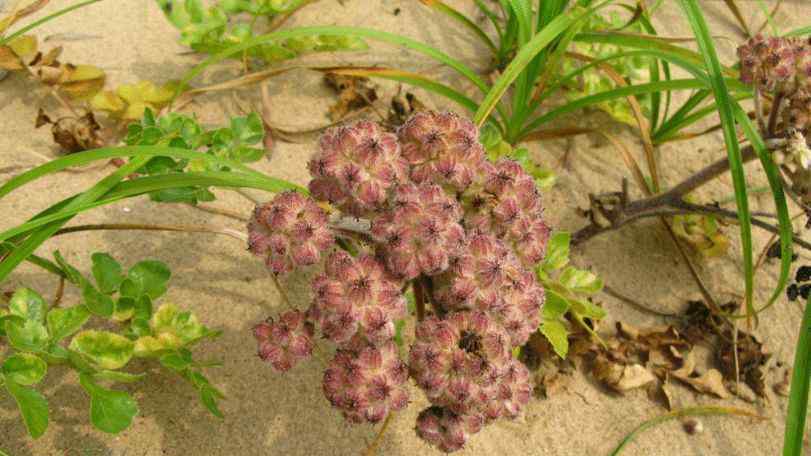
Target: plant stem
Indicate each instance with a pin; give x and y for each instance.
(372, 449)
(220, 211)
(778, 100)
(146, 227)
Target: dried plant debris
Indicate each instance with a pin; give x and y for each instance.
(354, 92)
(73, 134)
(402, 107)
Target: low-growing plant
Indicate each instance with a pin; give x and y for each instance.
(41, 336)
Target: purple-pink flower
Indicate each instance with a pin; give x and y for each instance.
(420, 232)
(288, 232)
(356, 296)
(446, 430)
(366, 382)
(356, 166)
(286, 341)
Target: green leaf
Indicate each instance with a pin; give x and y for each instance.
(24, 369)
(177, 361)
(580, 281)
(150, 277)
(26, 303)
(110, 411)
(27, 335)
(587, 309)
(208, 393)
(107, 272)
(555, 306)
(74, 276)
(104, 349)
(557, 251)
(557, 335)
(124, 309)
(64, 322)
(33, 407)
(97, 302)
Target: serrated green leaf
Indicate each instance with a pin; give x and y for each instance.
(33, 407)
(557, 251)
(107, 272)
(557, 335)
(97, 302)
(24, 369)
(110, 411)
(103, 349)
(555, 306)
(26, 335)
(150, 278)
(26, 303)
(580, 281)
(587, 309)
(64, 322)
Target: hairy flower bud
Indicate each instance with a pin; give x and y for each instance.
(442, 148)
(289, 231)
(776, 64)
(512, 391)
(366, 382)
(446, 430)
(285, 342)
(356, 166)
(356, 296)
(420, 232)
(452, 359)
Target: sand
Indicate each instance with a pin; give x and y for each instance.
(267, 413)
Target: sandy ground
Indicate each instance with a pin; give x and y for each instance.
(275, 414)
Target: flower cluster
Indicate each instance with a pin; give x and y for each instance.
(288, 232)
(463, 232)
(781, 66)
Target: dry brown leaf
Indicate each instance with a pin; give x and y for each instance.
(9, 60)
(354, 92)
(712, 382)
(621, 378)
(402, 107)
(73, 134)
(783, 387)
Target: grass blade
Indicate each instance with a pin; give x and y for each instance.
(725, 110)
(798, 395)
(524, 57)
(45, 19)
(462, 19)
(776, 185)
(680, 413)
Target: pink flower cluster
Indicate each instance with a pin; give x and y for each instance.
(288, 232)
(464, 231)
(781, 66)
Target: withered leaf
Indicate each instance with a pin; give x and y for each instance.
(783, 387)
(621, 378)
(9, 60)
(712, 382)
(402, 106)
(354, 92)
(73, 134)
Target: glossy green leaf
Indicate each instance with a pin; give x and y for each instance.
(110, 411)
(24, 369)
(150, 278)
(557, 335)
(557, 251)
(26, 303)
(103, 349)
(66, 321)
(33, 407)
(580, 281)
(107, 272)
(28, 335)
(97, 302)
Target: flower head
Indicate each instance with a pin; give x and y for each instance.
(366, 382)
(442, 148)
(419, 233)
(446, 430)
(453, 360)
(356, 166)
(356, 296)
(508, 205)
(286, 341)
(776, 64)
(289, 231)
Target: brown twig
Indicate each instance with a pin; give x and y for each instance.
(419, 299)
(230, 232)
(60, 291)
(220, 211)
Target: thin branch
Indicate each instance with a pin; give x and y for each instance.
(636, 305)
(419, 299)
(230, 232)
(220, 211)
(371, 450)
